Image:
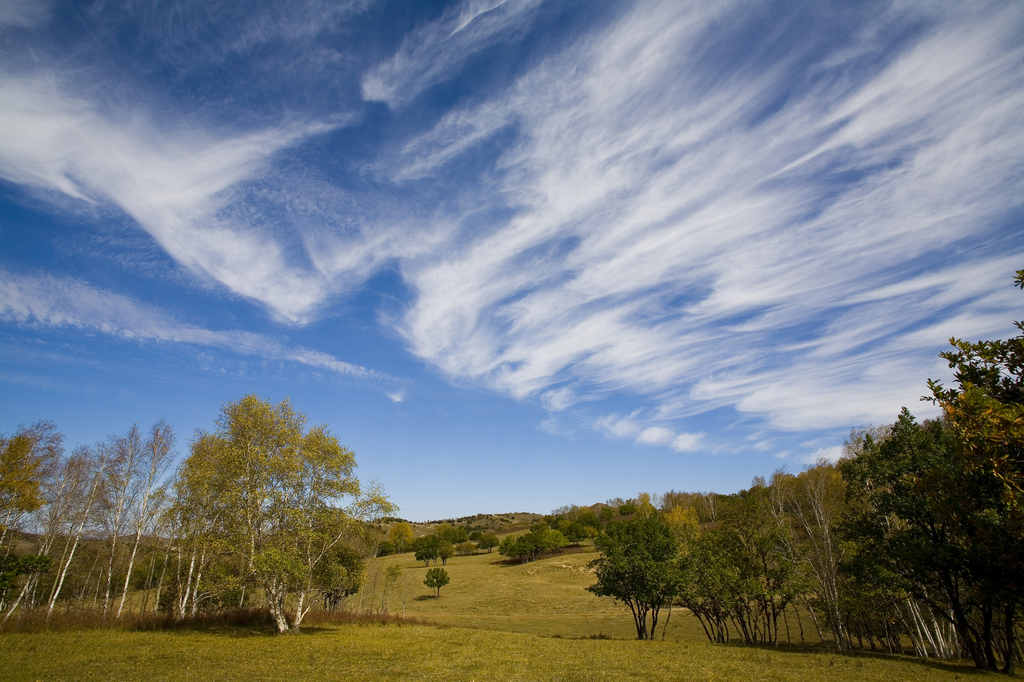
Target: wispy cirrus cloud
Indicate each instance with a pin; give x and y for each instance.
(676, 208)
(176, 185)
(710, 238)
(437, 51)
(55, 302)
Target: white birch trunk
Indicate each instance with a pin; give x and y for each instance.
(78, 534)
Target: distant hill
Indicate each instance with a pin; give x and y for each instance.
(488, 523)
(510, 522)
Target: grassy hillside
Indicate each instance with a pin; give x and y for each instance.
(422, 653)
(545, 597)
(487, 523)
(539, 606)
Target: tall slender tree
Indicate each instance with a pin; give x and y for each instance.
(158, 451)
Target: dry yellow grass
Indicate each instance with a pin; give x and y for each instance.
(422, 653)
(542, 607)
(545, 597)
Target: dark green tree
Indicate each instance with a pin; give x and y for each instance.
(488, 541)
(758, 545)
(637, 567)
(437, 578)
(939, 527)
(426, 549)
(445, 550)
(709, 582)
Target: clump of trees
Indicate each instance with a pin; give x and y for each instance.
(915, 535)
(264, 494)
(97, 507)
(531, 546)
(263, 509)
(487, 541)
(575, 523)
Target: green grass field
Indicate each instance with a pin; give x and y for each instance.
(546, 597)
(422, 653)
(494, 622)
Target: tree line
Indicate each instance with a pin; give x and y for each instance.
(263, 507)
(913, 537)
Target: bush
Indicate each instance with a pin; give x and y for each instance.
(437, 578)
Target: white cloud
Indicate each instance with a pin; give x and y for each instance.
(672, 240)
(56, 302)
(24, 13)
(656, 435)
(687, 442)
(559, 399)
(796, 240)
(637, 426)
(619, 427)
(175, 184)
(830, 454)
(437, 51)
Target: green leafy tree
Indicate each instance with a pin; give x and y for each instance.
(400, 536)
(437, 578)
(985, 409)
(637, 567)
(446, 531)
(339, 576)
(709, 581)
(938, 527)
(271, 490)
(488, 541)
(426, 548)
(12, 566)
(759, 544)
(445, 551)
(529, 546)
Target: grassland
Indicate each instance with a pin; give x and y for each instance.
(494, 622)
(546, 598)
(422, 653)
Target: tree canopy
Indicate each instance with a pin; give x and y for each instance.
(637, 567)
(269, 492)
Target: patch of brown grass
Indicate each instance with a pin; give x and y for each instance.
(252, 618)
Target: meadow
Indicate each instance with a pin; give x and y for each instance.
(423, 653)
(546, 598)
(498, 621)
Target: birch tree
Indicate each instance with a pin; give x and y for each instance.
(84, 472)
(120, 490)
(816, 499)
(277, 490)
(157, 451)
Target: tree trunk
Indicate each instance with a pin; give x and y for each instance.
(78, 534)
(1008, 665)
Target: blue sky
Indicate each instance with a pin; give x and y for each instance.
(516, 254)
